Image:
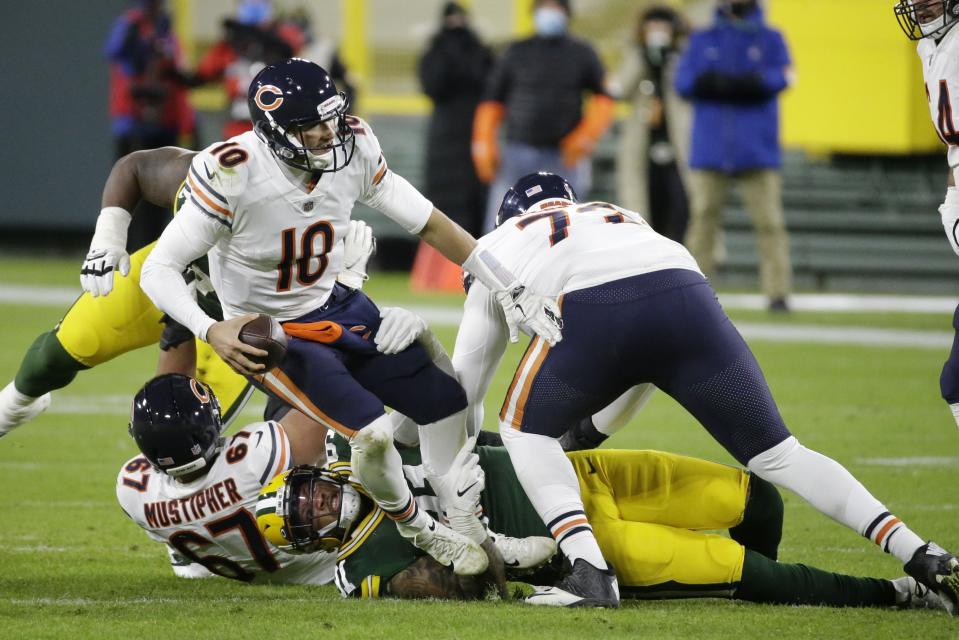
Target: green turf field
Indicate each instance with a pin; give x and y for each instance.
(72, 565)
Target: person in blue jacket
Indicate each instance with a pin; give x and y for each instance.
(733, 73)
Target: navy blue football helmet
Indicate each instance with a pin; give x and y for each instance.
(292, 96)
(176, 424)
(531, 190)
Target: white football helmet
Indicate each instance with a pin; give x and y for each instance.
(926, 18)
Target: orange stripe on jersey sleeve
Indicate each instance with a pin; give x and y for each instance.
(194, 187)
(379, 175)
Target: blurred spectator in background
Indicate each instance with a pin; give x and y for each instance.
(452, 73)
(148, 104)
(651, 163)
(252, 39)
(323, 51)
(538, 87)
(733, 72)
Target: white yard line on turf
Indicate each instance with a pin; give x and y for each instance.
(838, 302)
(445, 316)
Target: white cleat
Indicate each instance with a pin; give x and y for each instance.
(914, 595)
(524, 553)
(13, 413)
(448, 548)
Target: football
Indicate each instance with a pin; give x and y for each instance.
(264, 332)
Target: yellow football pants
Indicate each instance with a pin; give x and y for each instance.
(648, 510)
(96, 330)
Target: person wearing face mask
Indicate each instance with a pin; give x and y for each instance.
(652, 158)
(452, 72)
(537, 87)
(733, 72)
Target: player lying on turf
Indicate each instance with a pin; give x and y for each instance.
(113, 316)
(195, 491)
(649, 510)
(637, 310)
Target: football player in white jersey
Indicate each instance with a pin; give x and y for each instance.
(638, 311)
(196, 491)
(931, 22)
(268, 207)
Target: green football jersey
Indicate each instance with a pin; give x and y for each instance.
(376, 551)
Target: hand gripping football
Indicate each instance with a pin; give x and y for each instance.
(265, 332)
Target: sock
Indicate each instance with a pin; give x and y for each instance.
(378, 467)
(46, 366)
(955, 411)
(440, 441)
(12, 398)
(830, 488)
(762, 527)
(549, 480)
(771, 582)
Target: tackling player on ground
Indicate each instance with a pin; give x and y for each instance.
(268, 207)
(636, 310)
(931, 22)
(650, 511)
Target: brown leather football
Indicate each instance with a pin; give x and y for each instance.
(264, 332)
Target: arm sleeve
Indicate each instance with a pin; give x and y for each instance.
(392, 195)
(774, 73)
(688, 68)
(191, 234)
(480, 344)
(500, 79)
(595, 79)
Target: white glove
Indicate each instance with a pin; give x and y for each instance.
(358, 245)
(107, 253)
(949, 210)
(540, 314)
(398, 329)
(459, 491)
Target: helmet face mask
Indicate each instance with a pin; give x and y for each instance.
(926, 18)
(287, 101)
(176, 424)
(308, 509)
(534, 192)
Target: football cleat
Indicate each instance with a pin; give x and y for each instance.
(934, 567)
(448, 548)
(586, 586)
(914, 595)
(14, 414)
(524, 553)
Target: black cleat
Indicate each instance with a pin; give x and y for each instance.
(938, 569)
(586, 586)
